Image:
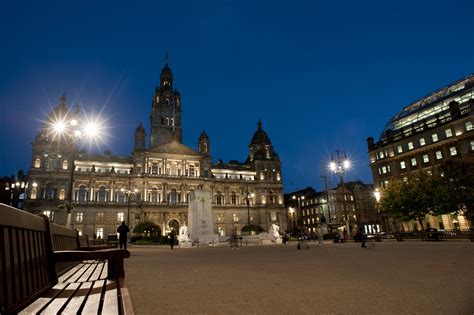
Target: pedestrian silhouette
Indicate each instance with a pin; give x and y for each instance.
(172, 238)
(122, 230)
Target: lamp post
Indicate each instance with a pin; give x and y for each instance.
(73, 131)
(339, 164)
(247, 197)
(129, 193)
(291, 211)
(299, 214)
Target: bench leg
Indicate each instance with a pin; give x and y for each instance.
(115, 269)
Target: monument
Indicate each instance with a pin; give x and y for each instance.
(183, 237)
(201, 227)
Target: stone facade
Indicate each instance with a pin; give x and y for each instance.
(423, 135)
(154, 183)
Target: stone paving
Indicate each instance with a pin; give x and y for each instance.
(390, 278)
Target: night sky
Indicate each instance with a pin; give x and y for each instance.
(321, 75)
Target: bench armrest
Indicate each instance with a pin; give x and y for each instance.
(113, 256)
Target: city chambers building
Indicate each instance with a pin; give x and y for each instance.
(154, 183)
(423, 135)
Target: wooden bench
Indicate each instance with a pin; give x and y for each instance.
(44, 270)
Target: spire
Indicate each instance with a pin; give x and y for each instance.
(62, 100)
(166, 57)
(259, 124)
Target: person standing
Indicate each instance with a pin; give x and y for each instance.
(320, 233)
(123, 230)
(172, 238)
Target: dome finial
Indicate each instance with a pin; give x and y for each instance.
(62, 100)
(166, 57)
(259, 124)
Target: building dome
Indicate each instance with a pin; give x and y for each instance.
(140, 129)
(260, 136)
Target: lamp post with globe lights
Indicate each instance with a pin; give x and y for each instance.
(248, 195)
(339, 165)
(299, 214)
(73, 130)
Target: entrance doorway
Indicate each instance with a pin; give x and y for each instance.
(174, 224)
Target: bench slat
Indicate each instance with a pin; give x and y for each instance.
(79, 298)
(111, 302)
(78, 273)
(69, 273)
(60, 301)
(93, 300)
(96, 275)
(40, 303)
(92, 267)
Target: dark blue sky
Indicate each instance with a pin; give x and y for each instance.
(321, 75)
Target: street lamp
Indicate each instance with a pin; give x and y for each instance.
(299, 214)
(73, 131)
(129, 193)
(339, 164)
(291, 211)
(247, 197)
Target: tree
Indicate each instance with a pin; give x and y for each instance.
(455, 189)
(252, 227)
(411, 200)
(147, 227)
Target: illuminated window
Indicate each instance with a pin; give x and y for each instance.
(62, 194)
(278, 176)
(426, 159)
(273, 216)
(449, 133)
(79, 217)
(439, 155)
(399, 149)
(79, 231)
(402, 165)
(235, 217)
(220, 217)
(220, 231)
(49, 214)
(472, 145)
(65, 165)
(120, 217)
(468, 125)
(410, 145)
(453, 151)
(262, 176)
(434, 137)
(381, 155)
(384, 169)
(413, 162)
(99, 233)
(422, 141)
(37, 163)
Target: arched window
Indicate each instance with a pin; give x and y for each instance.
(153, 196)
(82, 194)
(102, 194)
(173, 196)
(233, 198)
(120, 196)
(219, 198)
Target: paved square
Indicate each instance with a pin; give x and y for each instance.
(390, 278)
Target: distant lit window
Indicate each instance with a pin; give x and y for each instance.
(120, 217)
(439, 155)
(273, 216)
(413, 162)
(79, 217)
(381, 155)
(434, 137)
(399, 149)
(99, 233)
(402, 165)
(453, 151)
(384, 169)
(410, 145)
(62, 194)
(405, 179)
(422, 141)
(235, 217)
(472, 145)
(37, 163)
(468, 125)
(49, 214)
(449, 133)
(426, 158)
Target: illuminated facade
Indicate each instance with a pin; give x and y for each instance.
(155, 181)
(423, 135)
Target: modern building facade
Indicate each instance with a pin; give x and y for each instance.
(154, 183)
(423, 135)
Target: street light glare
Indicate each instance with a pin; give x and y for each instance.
(59, 126)
(347, 164)
(92, 129)
(332, 166)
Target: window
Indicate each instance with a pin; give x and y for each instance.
(220, 231)
(439, 155)
(65, 165)
(153, 196)
(49, 214)
(79, 231)
(120, 217)
(154, 169)
(273, 216)
(50, 192)
(100, 217)
(413, 162)
(453, 151)
(174, 196)
(449, 133)
(410, 145)
(384, 169)
(271, 198)
(468, 125)
(79, 217)
(219, 198)
(426, 158)
(434, 137)
(99, 233)
(37, 163)
(62, 194)
(399, 149)
(220, 217)
(422, 141)
(233, 198)
(235, 217)
(381, 155)
(472, 145)
(102, 194)
(402, 165)
(191, 171)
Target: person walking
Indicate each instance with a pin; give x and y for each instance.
(320, 231)
(233, 240)
(123, 230)
(172, 238)
(345, 236)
